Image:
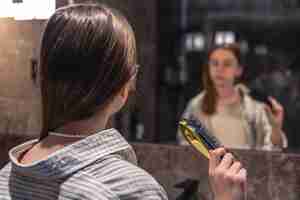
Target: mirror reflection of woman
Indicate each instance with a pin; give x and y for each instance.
(228, 111)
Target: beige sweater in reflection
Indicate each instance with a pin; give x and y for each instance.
(227, 125)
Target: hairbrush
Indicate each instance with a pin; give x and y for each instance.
(198, 136)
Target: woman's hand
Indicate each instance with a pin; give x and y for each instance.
(227, 177)
(276, 113)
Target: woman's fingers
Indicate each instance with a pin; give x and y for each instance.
(268, 109)
(235, 168)
(226, 161)
(275, 113)
(241, 178)
(227, 177)
(276, 106)
(215, 158)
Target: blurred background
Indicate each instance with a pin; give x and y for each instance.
(173, 38)
(267, 33)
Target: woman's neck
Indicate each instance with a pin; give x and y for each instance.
(227, 94)
(84, 127)
(52, 143)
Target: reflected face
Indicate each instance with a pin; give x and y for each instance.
(224, 67)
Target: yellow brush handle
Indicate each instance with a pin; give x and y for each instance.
(201, 148)
(193, 139)
(196, 141)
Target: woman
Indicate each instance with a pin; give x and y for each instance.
(227, 110)
(87, 69)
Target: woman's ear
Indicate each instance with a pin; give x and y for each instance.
(119, 100)
(125, 92)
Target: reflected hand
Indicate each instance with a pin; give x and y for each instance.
(227, 177)
(276, 113)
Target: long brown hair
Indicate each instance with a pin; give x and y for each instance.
(87, 55)
(210, 97)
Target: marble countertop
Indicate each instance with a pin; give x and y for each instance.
(271, 175)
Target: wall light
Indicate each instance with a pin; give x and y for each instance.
(199, 42)
(194, 41)
(27, 9)
(224, 37)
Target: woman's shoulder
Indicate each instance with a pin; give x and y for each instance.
(252, 103)
(126, 179)
(251, 106)
(196, 100)
(5, 173)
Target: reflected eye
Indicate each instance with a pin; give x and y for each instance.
(213, 63)
(229, 63)
(226, 63)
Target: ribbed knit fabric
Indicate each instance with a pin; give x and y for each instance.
(101, 166)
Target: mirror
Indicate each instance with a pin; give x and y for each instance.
(266, 32)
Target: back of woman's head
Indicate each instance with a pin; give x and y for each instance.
(88, 54)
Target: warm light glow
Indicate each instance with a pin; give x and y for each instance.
(189, 42)
(219, 38)
(28, 9)
(224, 37)
(6, 8)
(229, 37)
(199, 41)
(194, 42)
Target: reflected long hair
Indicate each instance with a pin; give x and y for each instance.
(210, 98)
(88, 52)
